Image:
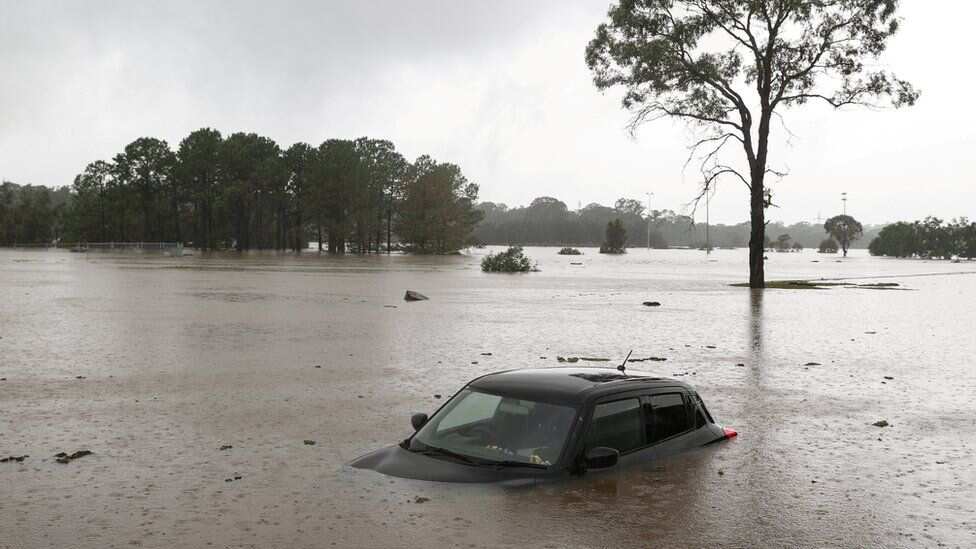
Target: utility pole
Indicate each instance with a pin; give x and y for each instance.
(844, 200)
(649, 195)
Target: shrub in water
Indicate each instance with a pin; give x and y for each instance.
(570, 251)
(512, 260)
(828, 246)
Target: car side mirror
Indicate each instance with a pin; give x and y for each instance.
(418, 421)
(601, 457)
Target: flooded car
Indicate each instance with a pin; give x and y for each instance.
(548, 423)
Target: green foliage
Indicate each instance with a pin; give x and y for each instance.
(727, 67)
(538, 225)
(437, 211)
(782, 243)
(512, 260)
(616, 238)
(844, 229)
(828, 246)
(570, 251)
(931, 238)
(245, 192)
(547, 221)
(31, 214)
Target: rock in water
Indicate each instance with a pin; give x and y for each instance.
(882, 423)
(652, 303)
(414, 296)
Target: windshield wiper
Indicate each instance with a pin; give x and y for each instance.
(509, 463)
(435, 451)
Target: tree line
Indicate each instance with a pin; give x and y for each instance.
(931, 237)
(245, 192)
(31, 214)
(547, 221)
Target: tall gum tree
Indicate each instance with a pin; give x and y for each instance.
(728, 66)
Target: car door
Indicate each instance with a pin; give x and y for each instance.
(617, 422)
(669, 417)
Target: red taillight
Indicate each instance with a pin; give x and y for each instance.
(729, 432)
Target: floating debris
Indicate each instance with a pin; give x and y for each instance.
(226, 447)
(652, 303)
(650, 358)
(62, 457)
(11, 459)
(309, 442)
(421, 499)
(881, 423)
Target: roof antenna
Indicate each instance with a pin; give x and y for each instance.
(623, 365)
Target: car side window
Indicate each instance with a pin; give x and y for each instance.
(616, 425)
(667, 416)
(702, 409)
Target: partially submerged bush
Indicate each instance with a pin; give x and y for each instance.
(828, 246)
(512, 260)
(570, 251)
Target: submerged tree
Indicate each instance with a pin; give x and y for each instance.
(844, 229)
(437, 211)
(728, 66)
(827, 246)
(616, 238)
(199, 170)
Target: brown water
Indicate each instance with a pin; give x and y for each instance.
(183, 355)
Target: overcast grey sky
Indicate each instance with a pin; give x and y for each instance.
(499, 88)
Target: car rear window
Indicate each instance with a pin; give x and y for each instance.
(616, 425)
(667, 416)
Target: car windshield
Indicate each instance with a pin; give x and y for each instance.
(495, 428)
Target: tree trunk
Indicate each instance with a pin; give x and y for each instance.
(389, 228)
(757, 239)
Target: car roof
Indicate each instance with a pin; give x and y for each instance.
(567, 385)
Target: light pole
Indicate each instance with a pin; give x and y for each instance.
(844, 200)
(649, 195)
(708, 200)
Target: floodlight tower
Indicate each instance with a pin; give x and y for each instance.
(708, 199)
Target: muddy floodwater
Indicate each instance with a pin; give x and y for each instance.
(197, 381)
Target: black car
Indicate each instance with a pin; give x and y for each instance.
(547, 423)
